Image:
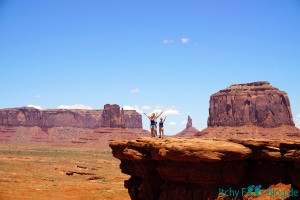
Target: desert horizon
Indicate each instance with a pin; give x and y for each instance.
(149, 100)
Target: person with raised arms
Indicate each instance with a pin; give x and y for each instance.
(152, 119)
(161, 127)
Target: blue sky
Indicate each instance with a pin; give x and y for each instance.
(169, 55)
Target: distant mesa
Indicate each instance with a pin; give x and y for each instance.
(64, 127)
(111, 116)
(250, 110)
(189, 131)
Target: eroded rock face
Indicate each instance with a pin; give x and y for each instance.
(189, 122)
(110, 116)
(178, 168)
(257, 103)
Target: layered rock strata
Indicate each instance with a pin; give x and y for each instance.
(250, 110)
(110, 116)
(257, 103)
(178, 168)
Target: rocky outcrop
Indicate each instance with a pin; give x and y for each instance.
(178, 168)
(189, 122)
(250, 110)
(189, 131)
(132, 119)
(110, 116)
(257, 103)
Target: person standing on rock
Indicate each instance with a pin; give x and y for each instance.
(152, 119)
(161, 127)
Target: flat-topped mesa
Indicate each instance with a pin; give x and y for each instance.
(111, 116)
(257, 103)
(253, 86)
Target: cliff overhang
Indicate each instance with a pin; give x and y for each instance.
(194, 168)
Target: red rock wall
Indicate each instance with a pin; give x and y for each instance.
(20, 117)
(255, 103)
(132, 119)
(186, 169)
(111, 116)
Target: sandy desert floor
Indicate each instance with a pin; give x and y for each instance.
(49, 172)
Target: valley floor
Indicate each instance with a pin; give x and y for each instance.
(50, 172)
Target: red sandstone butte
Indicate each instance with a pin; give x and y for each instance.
(250, 110)
(257, 103)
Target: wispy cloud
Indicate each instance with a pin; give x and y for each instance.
(135, 107)
(37, 96)
(172, 123)
(167, 112)
(34, 106)
(183, 122)
(171, 110)
(146, 107)
(168, 41)
(184, 40)
(298, 116)
(135, 91)
(76, 106)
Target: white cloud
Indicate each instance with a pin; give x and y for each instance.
(172, 123)
(37, 96)
(168, 41)
(136, 108)
(166, 110)
(298, 116)
(76, 106)
(146, 107)
(37, 107)
(184, 40)
(171, 112)
(183, 122)
(135, 91)
(156, 109)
